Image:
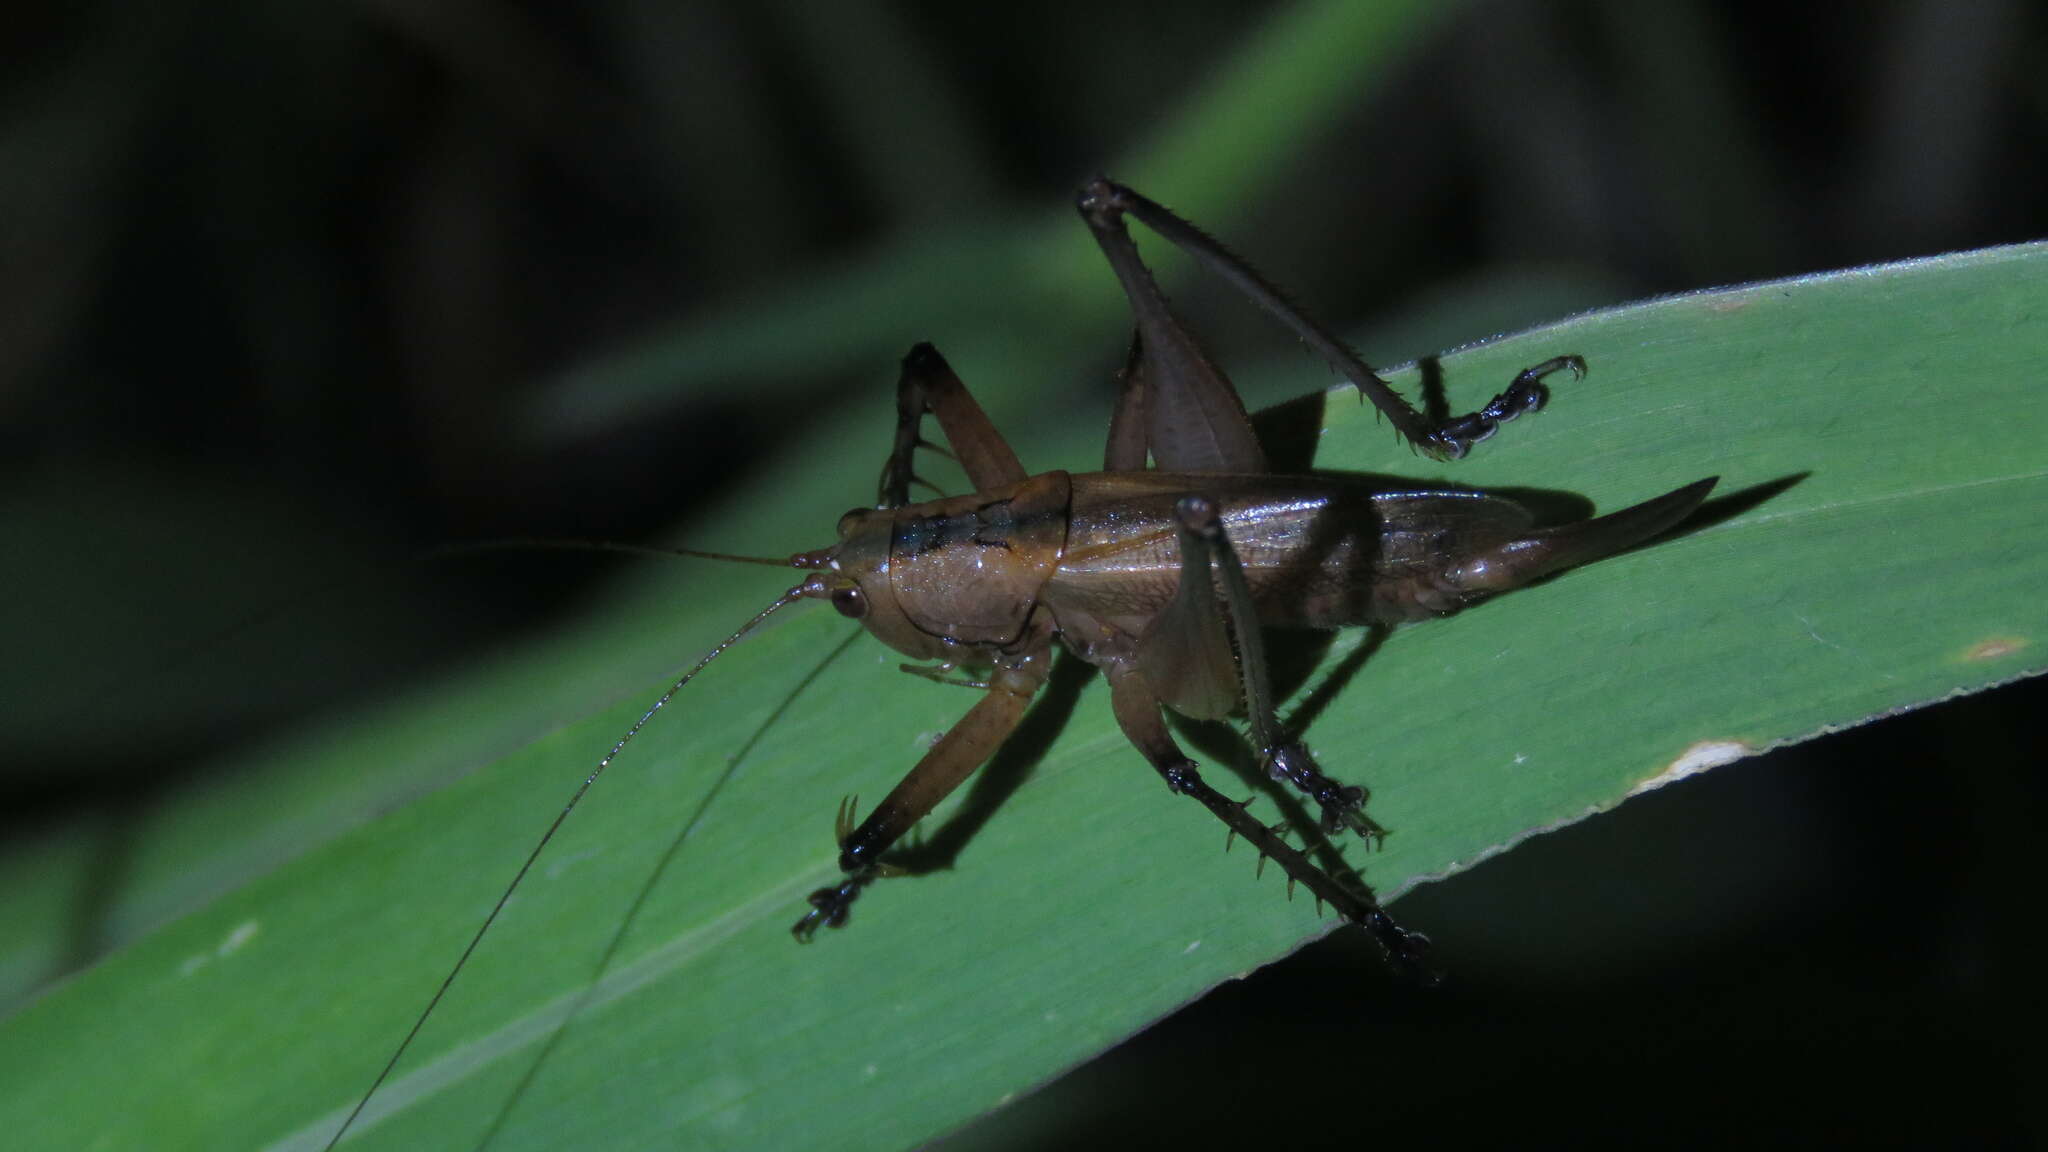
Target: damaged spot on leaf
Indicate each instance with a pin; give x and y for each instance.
(1993, 648)
(1694, 760)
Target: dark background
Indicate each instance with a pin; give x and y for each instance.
(282, 286)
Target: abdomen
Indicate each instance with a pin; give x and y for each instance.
(1319, 551)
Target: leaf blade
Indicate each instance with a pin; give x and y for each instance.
(1892, 572)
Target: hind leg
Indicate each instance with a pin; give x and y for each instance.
(1104, 203)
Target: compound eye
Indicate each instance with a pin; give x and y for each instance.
(852, 520)
(849, 602)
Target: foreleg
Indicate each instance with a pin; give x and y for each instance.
(958, 753)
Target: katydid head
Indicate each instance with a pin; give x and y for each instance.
(854, 577)
(957, 573)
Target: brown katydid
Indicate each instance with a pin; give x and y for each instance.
(1162, 577)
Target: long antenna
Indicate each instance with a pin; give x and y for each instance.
(575, 798)
(574, 544)
(190, 651)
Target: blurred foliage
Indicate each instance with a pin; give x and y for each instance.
(291, 293)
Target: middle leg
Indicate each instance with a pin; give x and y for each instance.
(1203, 547)
(1138, 713)
(928, 384)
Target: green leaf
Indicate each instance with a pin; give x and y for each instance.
(1885, 425)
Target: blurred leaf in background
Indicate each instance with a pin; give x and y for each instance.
(292, 295)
